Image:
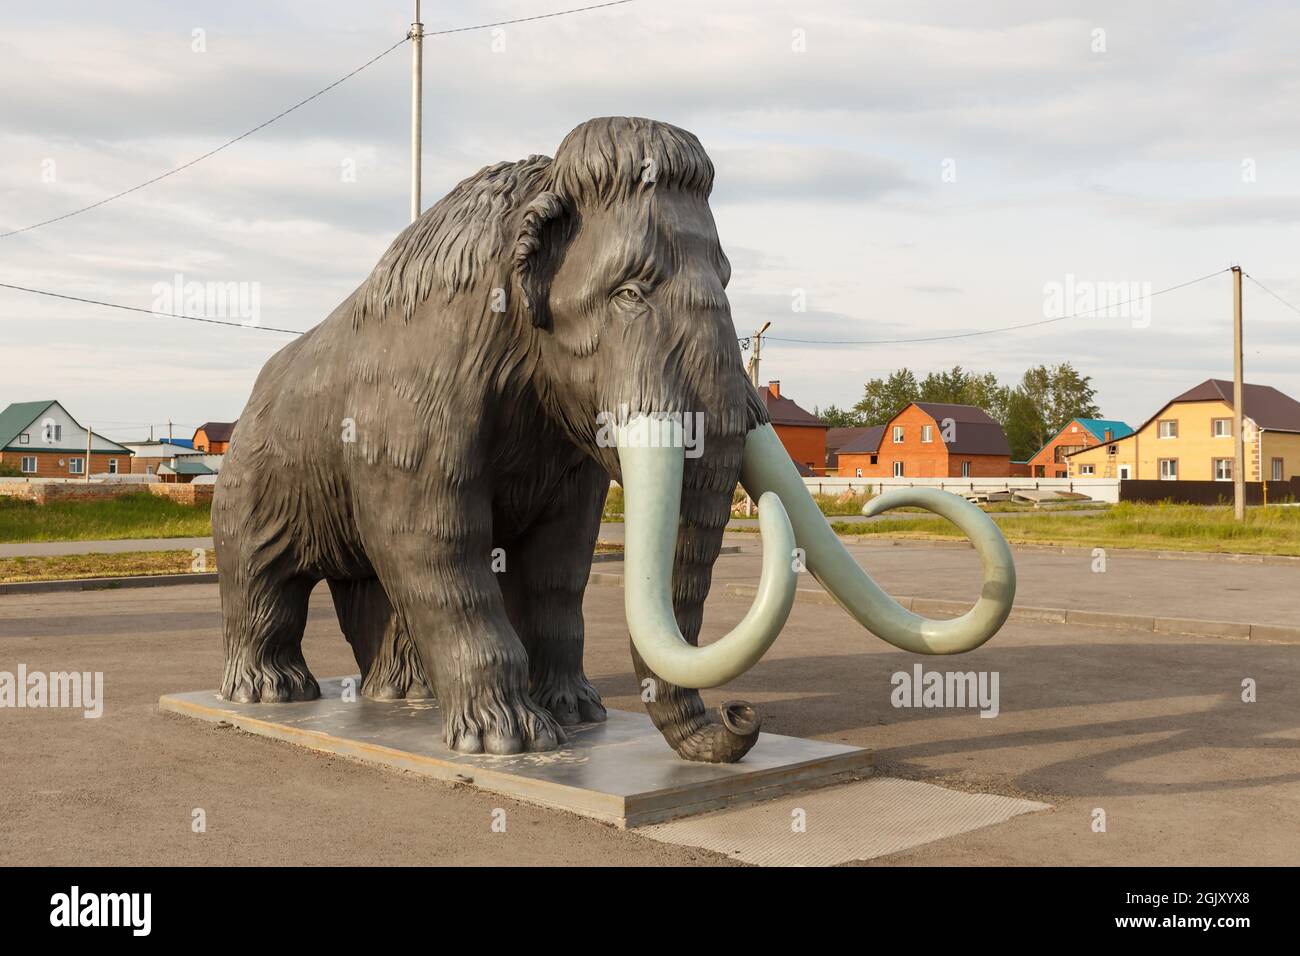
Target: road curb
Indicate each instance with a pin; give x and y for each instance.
(1232, 630)
(1274, 560)
(107, 584)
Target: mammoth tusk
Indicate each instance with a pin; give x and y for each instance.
(767, 468)
(651, 456)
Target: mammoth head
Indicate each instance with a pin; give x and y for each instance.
(618, 266)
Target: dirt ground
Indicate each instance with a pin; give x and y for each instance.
(1150, 729)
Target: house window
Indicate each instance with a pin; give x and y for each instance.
(1112, 450)
(1087, 470)
(1277, 469)
(112, 466)
(29, 464)
(148, 469)
(927, 433)
(1223, 469)
(898, 469)
(75, 466)
(24, 439)
(1222, 427)
(1168, 469)
(857, 472)
(898, 434)
(1040, 471)
(1169, 428)
(965, 469)
(875, 459)
(1124, 471)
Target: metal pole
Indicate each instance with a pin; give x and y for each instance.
(1238, 439)
(417, 100)
(758, 350)
(88, 433)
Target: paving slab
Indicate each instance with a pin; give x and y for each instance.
(857, 821)
(619, 772)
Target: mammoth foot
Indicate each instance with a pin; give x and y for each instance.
(723, 742)
(395, 688)
(570, 699)
(494, 722)
(269, 682)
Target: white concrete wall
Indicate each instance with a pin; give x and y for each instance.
(1099, 489)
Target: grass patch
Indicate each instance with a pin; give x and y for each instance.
(64, 567)
(1161, 527)
(142, 515)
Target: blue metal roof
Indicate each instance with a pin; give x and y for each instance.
(1098, 427)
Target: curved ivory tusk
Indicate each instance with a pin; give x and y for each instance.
(651, 455)
(767, 468)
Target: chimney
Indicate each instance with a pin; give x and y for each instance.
(1107, 434)
(774, 388)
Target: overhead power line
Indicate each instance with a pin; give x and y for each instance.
(1293, 308)
(132, 308)
(301, 103)
(212, 152)
(1004, 328)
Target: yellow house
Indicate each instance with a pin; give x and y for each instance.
(1190, 439)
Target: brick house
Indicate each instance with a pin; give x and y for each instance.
(41, 440)
(213, 438)
(930, 440)
(1052, 460)
(802, 433)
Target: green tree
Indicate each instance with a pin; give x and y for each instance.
(1024, 426)
(838, 417)
(9, 471)
(1058, 394)
(882, 398)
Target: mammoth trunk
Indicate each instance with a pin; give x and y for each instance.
(675, 514)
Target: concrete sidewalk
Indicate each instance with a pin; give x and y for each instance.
(36, 549)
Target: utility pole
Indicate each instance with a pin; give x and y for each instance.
(757, 339)
(87, 469)
(417, 102)
(169, 431)
(1238, 439)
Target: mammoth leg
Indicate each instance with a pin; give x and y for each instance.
(390, 667)
(678, 712)
(440, 581)
(263, 617)
(545, 577)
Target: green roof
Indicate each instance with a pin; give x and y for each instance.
(189, 468)
(17, 417)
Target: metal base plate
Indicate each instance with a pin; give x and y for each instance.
(620, 772)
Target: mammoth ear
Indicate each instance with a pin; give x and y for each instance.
(537, 254)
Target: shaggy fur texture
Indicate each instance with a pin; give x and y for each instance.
(443, 420)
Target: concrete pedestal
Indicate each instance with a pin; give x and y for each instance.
(620, 772)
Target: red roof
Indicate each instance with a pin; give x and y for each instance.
(217, 431)
(1268, 407)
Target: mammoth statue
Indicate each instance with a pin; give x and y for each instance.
(440, 447)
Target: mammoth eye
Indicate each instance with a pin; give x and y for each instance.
(629, 295)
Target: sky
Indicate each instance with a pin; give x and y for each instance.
(885, 171)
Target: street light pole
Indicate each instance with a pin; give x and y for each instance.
(417, 103)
